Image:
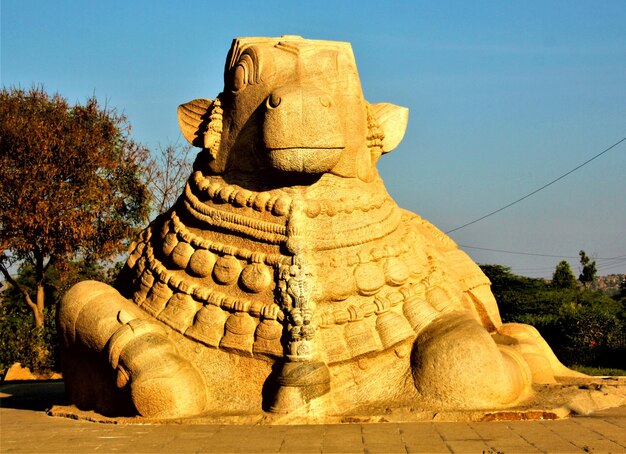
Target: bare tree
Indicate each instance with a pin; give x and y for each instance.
(166, 173)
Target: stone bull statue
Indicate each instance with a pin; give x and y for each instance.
(285, 279)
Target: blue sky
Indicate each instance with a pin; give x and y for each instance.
(504, 97)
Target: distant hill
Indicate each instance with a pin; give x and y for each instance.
(608, 284)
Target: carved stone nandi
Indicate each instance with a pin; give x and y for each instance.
(285, 278)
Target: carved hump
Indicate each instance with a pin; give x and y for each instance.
(393, 121)
(193, 118)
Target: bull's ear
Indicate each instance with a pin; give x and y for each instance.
(393, 121)
(193, 118)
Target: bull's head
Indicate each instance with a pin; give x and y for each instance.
(293, 106)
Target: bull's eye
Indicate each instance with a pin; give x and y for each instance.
(246, 72)
(239, 79)
(273, 101)
(325, 100)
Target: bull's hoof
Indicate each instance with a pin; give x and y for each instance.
(174, 392)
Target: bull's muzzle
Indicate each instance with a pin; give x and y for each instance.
(302, 131)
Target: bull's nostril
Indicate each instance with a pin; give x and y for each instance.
(325, 100)
(273, 101)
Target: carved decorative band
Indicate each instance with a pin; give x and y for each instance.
(279, 203)
(214, 218)
(364, 234)
(232, 218)
(204, 293)
(242, 253)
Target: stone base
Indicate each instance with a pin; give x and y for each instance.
(572, 396)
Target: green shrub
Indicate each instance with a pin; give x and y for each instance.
(582, 326)
(598, 371)
(587, 335)
(21, 342)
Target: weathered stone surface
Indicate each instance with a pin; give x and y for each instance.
(285, 278)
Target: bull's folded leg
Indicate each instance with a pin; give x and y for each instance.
(543, 363)
(457, 365)
(120, 362)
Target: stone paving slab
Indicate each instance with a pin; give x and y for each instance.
(25, 427)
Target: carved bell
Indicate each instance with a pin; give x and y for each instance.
(180, 311)
(333, 343)
(362, 338)
(393, 328)
(239, 334)
(442, 300)
(267, 338)
(208, 326)
(145, 283)
(169, 243)
(418, 312)
(159, 295)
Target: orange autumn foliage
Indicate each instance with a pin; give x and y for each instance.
(70, 183)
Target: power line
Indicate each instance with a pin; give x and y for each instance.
(537, 190)
(603, 267)
(517, 253)
(537, 255)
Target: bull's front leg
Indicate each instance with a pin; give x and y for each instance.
(457, 364)
(116, 360)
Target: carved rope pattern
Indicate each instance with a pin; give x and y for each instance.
(263, 231)
(213, 246)
(354, 237)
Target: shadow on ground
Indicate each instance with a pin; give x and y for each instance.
(36, 396)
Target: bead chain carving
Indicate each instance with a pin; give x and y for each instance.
(206, 294)
(280, 204)
(379, 305)
(382, 228)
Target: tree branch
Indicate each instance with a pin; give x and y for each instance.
(15, 284)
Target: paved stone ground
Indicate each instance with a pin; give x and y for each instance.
(24, 427)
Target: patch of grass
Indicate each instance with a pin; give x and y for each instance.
(601, 371)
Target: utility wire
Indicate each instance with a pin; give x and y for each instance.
(537, 255)
(537, 190)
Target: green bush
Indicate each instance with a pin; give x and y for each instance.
(21, 342)
(582, 326)
(587, 335)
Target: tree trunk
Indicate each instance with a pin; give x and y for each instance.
(40, 277)
(38, 306)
